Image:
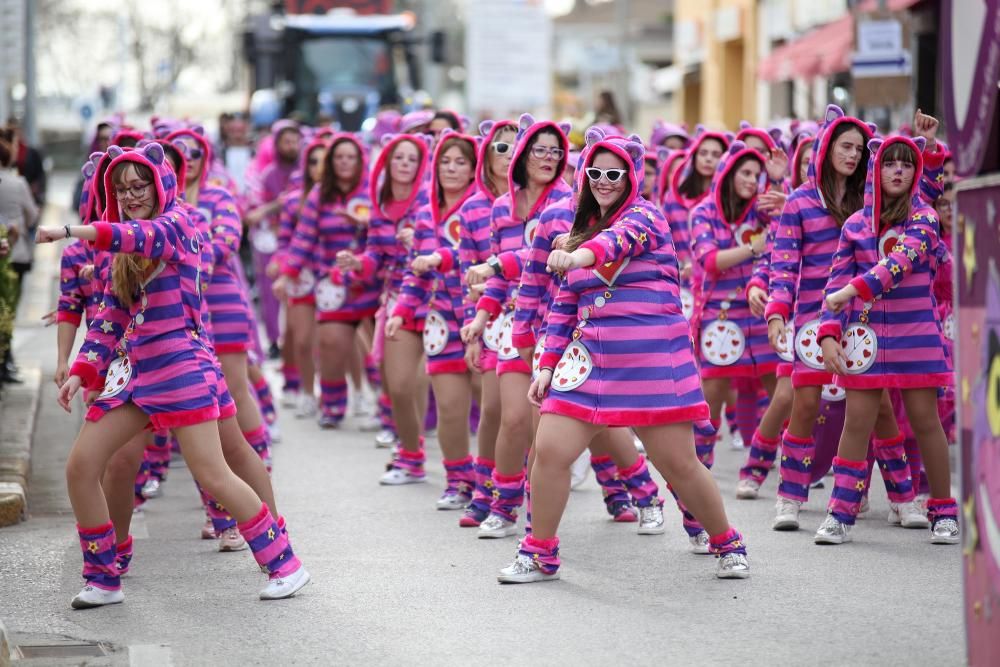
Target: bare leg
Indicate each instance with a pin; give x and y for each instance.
(717, 392)
(921, 409)
(302, 319)
(454, 396)
(559, 441)
(118, 482)
(805, 409)
(514, 437)
(234, 367)
(403, 363)
(243, 461)
(202, 451)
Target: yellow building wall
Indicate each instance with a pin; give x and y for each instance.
(727, 90)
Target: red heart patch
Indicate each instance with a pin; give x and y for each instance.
(806, 342)
(561, 364)
(866, 353)
(850, 363)
(720, 327)
(888, 244)
(834, 391)
(736, 342)
(860, 332)
(583, 369)
(724, 355)
(708, 343)
(819, 358)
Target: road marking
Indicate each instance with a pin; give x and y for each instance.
(149, 655)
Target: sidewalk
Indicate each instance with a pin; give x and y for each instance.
(34, 352)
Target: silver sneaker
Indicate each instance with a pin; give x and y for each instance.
(495, 527)
(747, 489)
(733, 566)
(151, 489)
(524, 570)
(945, 531)
(651, 520)
(832, 531)
(907, 515)
(786, 514)
(386, 439)
(699, 543)
(450, 500)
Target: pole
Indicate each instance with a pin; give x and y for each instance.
(622, 87)
(30, 101)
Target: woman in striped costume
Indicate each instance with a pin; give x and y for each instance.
(149, 329)
(620, 296)
(881, 329)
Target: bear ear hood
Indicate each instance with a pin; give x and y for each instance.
(164, 179)
(877, 148)
(379, 172)
(632, 153)
(488, 130)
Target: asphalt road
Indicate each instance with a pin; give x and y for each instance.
(397, 582)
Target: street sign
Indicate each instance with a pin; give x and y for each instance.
(508, 57)
(881, 50)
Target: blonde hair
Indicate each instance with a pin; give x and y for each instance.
(129, 271)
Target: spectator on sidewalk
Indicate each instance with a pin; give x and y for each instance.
(29, 161)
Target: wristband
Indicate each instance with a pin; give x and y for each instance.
(494, 264)
(66, 227)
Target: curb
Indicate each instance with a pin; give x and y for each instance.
(17, 414)
(5, 646)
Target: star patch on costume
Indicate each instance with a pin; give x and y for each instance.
(91, 356)
(270, 533)
(107, 327)
(92, 547)
(860, 486)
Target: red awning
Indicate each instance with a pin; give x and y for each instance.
(824, 51)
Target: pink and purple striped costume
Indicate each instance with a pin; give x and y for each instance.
(474, 246)
(616, 339)
(511, 237)
(323, 230)
(439, 290)
(164, 360)
(723, 301)
(893, 267)
(802, 254)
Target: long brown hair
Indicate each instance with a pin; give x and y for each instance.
(588, 221)
(385, 193)
(468, 152)
(308, 183)
(732, 204)
(854, 188)
(898, 209)
(329, 188)
(129, 271)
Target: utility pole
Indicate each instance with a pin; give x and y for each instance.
(30, 83)
(622, 85)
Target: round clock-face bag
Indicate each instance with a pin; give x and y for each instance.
(948, 326)
(303, 286)
(833, 393)
(687, 303)
(860, 345)
(722, 343)
(788, 342)
(265, 241)
(119, 374)
(573, 369)
(536, 357)
(807, 346)
(492, 333)
(329, 297)
(435, 333)
(507, 351)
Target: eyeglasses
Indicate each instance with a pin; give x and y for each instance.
(502, 147)
(134, 191)
(195, 154)
(612, 175)
(314, 161)
(541, 152)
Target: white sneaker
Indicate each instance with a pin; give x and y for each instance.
(231, 540)
(307, 407)
(524, 570)
(92, 596)
(733, 566)
(208, 530)
(786, 514)
(907, 515)
(736, 441)
(286, 587)
(579, 470)
(289, 399)
(747, 489)
(386, 439)
(452, 501)
(274, 432)
(398, 476)
(699, 543)
(495, 527)
(651, 520)
(368, 423)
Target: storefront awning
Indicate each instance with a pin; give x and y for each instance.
(820, 53)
